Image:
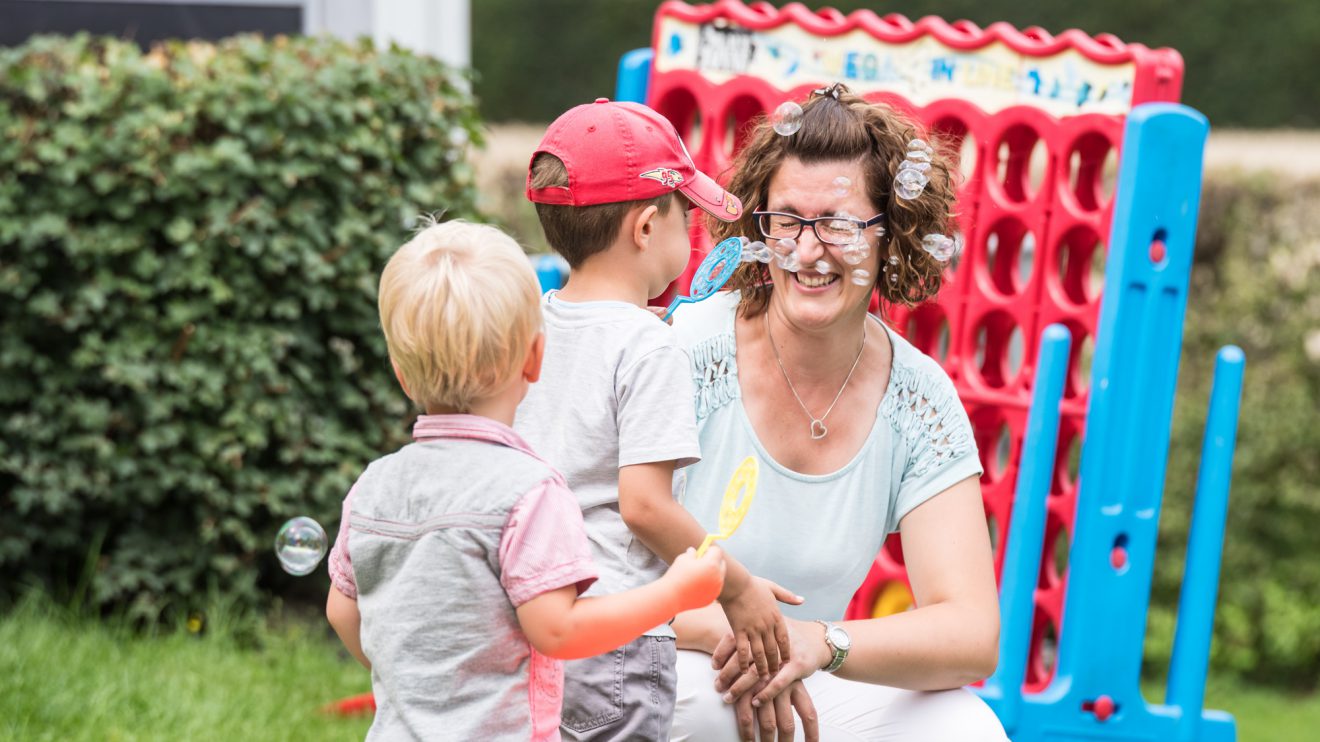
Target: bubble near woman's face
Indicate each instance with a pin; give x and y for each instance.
(841, 277)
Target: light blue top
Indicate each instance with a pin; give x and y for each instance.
(817, 535)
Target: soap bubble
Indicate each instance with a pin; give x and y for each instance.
(300, 545)
(790, 262)
(910, 182)
(785, 246)
(842, 186)
(893, 260)
(861, 277)
(940, 247)
(787, 118)
(893, 279)
(855, 253)
(822, 267)
(761, 252)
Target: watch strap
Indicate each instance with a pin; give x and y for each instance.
(839, 654)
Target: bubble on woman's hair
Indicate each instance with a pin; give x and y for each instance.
(842, 186)
(787, 118)
(893, 279)
(299, 545)
(861, 277)
(893, 260)
(784, 246)
(940, 247)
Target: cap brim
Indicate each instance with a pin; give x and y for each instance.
(703, 191)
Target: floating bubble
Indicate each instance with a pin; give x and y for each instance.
(861, 277)
(939, 246)
(762, 253)
(842, 186)
(909, 183)
(787, 118)
(300, 544)
(790, 262)
(822, 267)
(784, 247)
(893, 279)
(893, 260)
(855, 253)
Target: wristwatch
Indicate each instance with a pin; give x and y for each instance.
(839, 643)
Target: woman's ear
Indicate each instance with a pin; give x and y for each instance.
(643, 226)
(535, 354)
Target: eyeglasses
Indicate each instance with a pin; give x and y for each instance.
(832, 230)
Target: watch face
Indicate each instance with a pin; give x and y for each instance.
(840, 638)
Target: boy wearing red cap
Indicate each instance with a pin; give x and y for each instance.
(613, 410)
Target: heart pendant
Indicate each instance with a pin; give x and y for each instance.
(818, 430)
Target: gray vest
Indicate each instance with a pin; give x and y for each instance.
(449, 661)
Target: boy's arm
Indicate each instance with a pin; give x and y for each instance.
(342, 612)
(647, 505)
(561, 625)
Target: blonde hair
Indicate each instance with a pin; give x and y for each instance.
(459, 305)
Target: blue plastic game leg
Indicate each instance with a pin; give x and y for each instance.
(1026, 534)
(634, 76)
(1200, 587)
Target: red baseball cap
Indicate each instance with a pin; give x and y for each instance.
(625, 152)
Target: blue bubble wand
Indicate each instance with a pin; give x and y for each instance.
(715, 271)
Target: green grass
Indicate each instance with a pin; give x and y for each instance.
(71, 678)
(1263, 714)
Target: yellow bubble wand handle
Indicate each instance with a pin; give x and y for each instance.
(733, 508)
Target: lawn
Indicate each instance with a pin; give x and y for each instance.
(69, 678)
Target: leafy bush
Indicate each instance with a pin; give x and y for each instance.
(1256, 284)
(189, 245)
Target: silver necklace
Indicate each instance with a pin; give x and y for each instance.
(818, 429)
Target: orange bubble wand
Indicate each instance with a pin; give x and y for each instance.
(733, 508)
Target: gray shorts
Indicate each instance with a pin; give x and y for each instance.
(627, 694)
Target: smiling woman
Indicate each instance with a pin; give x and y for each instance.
(859, 434)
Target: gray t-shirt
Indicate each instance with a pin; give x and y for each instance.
(615, 390)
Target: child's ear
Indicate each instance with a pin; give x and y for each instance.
(399, 375)
(532, 366)
(643, 226)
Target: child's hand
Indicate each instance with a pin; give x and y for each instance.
(698, 579)
(758, 625)
(660, 312)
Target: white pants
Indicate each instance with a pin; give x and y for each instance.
(847, 711)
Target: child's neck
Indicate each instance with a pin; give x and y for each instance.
(611, 275)
(500, 408)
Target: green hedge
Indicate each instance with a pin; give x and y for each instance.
(1256, 284)
(189, 245)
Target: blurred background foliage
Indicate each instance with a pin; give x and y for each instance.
(190, 241)
(1246, 62)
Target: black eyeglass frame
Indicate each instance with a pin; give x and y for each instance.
(863, 224)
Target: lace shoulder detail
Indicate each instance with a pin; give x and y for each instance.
(714, 373)
(705, 330)
(924, 409)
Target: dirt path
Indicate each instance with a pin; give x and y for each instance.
(1292, 152)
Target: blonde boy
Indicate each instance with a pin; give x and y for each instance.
(460, 557)
(614, 409)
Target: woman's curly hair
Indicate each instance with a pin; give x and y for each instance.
(838, 125)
